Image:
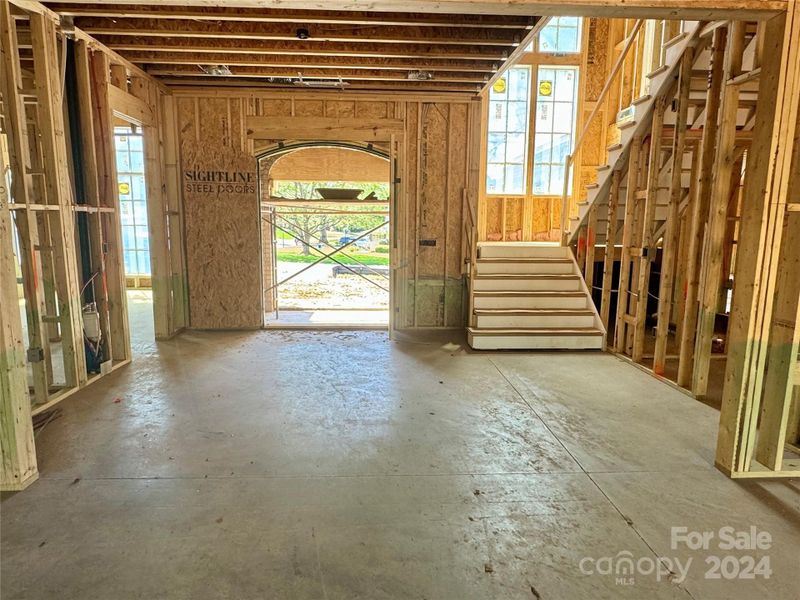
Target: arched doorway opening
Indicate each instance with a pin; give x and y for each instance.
(325, 213)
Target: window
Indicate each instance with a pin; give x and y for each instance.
(508, 133)
(132, 201)
(557, 92)
(561, 35)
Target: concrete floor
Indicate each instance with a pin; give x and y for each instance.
(335, 317)
(340, 465)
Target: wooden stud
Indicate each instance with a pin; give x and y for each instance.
(767, 189)
(623, 293)
(720, 193)
(109, 197)
(91, 187)
(174, 200)
(670, 243)
(608, 259)
(645, 228)
(17, 447)
(19, 154)
(54, 154)
(700, 201)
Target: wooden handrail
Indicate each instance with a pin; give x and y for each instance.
(568, 161)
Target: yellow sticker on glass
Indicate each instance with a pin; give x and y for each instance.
(545, 88)
(499, 86)
(125, 188)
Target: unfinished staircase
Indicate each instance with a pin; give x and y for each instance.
(531, 296)
(636, 120)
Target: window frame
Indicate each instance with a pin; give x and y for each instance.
(555, 23)
(575, 104)
(138, 205)
(527, 145)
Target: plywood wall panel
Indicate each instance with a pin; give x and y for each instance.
(309, 108)
(222, 218)
(340, 109)
(372, 110)
(330, 164)
(433, 190)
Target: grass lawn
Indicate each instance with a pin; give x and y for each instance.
(293, 255)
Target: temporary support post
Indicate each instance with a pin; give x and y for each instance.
(720, 195)
(766, 263)
(670, 244)
(16, 428)
(699, 208)
(608, 258)
(646, 229)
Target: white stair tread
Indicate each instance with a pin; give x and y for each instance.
(523, 259)
(527, 294)
(533, 311)
(527, 276)
(537, 331)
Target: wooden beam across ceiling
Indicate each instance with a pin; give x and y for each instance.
(306, 73)
(300, 48)
(667, 9)
(409, 87)
(259, 15)
(316, 33)
(312, 62)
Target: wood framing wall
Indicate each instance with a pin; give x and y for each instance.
(435, 149)
(728, 221)
(63, 210)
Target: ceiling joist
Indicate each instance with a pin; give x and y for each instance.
(344, 74)
(309, 34)
(312, 62)
(219, 44)
(325, 17)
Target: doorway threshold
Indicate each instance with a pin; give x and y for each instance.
(329, 318)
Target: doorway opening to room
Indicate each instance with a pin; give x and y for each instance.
(132, 190)
(325, 212)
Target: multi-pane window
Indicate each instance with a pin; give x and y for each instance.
(561, 35)
(556, 98)
(132, 200)
(508, 133)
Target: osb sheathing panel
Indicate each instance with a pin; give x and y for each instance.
(596, 57)
(224, 236)
(330, 164)
(221, 215)
(540, 216)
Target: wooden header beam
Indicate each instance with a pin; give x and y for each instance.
(706, 10)
(321, 128)
(327, 17)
